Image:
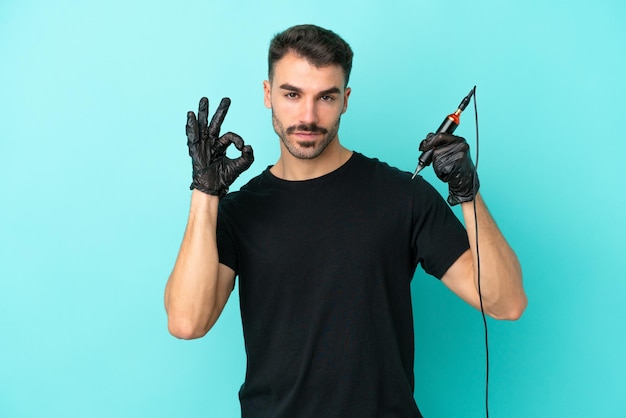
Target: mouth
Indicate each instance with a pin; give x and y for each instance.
(307, 134)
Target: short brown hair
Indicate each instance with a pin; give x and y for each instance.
(321, 47)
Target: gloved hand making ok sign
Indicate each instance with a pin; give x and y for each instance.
(452, 164)
(213, 171)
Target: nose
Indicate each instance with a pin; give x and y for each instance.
(308, 114)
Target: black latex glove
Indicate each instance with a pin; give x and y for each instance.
(452, 164)
(213, 171)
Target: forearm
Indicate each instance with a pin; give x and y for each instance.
(500, 271)
(192, 289)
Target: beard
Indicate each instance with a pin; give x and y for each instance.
(305, 150)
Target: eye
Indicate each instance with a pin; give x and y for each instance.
(291, 95)
(327, 98)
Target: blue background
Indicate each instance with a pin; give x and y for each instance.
(94, 177)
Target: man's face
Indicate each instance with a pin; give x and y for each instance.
(307, 104)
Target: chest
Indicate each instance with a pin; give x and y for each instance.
(307, 231)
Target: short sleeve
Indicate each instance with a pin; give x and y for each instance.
(226, 245)
(438, 237)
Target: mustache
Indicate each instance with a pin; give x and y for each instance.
(305, 127)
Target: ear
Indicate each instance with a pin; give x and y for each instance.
(267, 94)
(346, 95)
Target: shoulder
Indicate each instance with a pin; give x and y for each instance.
(238, 198)
(389, 175)
(375, 167)
(253, 186)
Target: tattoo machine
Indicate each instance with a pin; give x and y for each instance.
(448, 126)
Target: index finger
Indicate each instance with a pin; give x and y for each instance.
(442, 138)
(218, 118)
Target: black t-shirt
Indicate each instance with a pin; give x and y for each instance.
(325, 267)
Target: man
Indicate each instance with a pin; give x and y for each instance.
(325, 243)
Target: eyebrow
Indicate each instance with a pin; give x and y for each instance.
(332, 90)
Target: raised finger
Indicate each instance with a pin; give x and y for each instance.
(218, 118)
(203, 117)
(191, 129)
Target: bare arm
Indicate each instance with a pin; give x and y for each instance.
(199, 286)
(500, 276)
(500, 272)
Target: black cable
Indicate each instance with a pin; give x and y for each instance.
(480, 294)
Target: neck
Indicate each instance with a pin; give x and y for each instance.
(291, 168)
